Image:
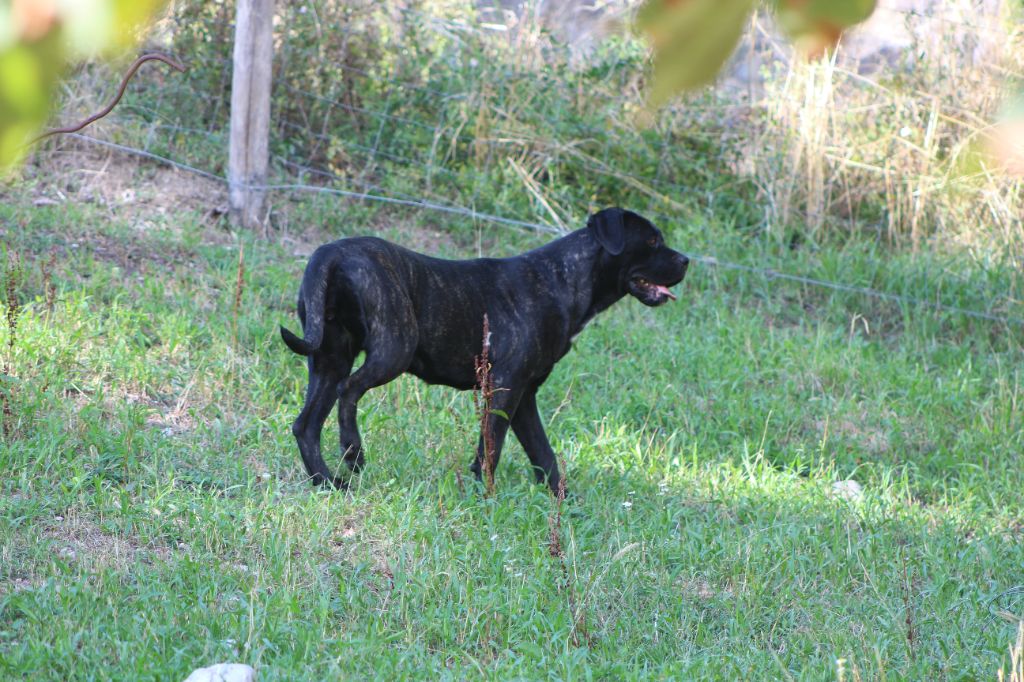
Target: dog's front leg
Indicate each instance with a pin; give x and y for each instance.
(529, 430)
(503, 407)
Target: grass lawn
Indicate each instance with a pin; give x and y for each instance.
(154, 515)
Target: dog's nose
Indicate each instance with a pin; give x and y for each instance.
(683, 261)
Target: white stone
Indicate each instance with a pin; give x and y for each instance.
(223, 672)
(848, 490)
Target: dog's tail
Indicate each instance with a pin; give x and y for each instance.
(314, 295)
(296, 344)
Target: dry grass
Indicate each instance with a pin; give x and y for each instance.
(829, 143)
(1016, 670)
(834, 146)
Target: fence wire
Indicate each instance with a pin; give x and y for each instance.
(389, 138)
(767, 273)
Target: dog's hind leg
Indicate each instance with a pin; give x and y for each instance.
(325, 373)
(385, 361)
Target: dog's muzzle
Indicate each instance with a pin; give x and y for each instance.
(652, 287)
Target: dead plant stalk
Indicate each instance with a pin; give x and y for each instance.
(483, 399)
(1016, 673)
(239, 290)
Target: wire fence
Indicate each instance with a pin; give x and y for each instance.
(767, 273)
(333, 138)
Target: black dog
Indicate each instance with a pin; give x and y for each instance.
(413, 313)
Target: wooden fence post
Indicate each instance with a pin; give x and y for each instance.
(248, 152)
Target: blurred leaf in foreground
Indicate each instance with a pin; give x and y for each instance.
(816, 25)
(38, 40)
(999, 148)
(692, 39)
(1005, 146)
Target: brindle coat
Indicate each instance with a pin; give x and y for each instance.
(422, 315)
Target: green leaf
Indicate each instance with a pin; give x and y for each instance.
(816, 25)
(840, 13)
(29, 74)
(691, 40)
(35, 48)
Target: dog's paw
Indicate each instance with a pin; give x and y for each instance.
(354, 458)
(568, 497)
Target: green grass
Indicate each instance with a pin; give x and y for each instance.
(154, 515)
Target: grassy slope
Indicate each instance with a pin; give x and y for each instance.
(154, 517)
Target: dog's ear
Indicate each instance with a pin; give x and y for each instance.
(610, 230)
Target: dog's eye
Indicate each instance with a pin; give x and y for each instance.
(653, 241)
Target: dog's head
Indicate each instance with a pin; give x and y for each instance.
(646, 266)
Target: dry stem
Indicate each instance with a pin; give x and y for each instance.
(482, 398)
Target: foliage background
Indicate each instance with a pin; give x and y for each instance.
(155, 518)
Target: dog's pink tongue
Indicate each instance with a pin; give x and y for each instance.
(664, 290)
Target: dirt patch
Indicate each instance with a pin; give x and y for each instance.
(145, 194)
(170, 414)
(82, 541)
(703, 590)
(127, 186)
(132, 256)
(352, 545)
(174, 416)
(149, 199)
(20, 585)
(865, 429)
